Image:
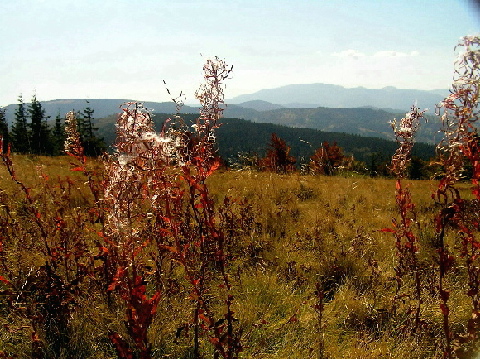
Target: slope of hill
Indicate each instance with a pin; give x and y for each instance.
(239, 136)
(244, 136)
(260, 105)
(359, 121)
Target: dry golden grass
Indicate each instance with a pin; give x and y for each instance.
(305, 229)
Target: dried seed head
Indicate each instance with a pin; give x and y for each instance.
(405, 135)
(72, 143)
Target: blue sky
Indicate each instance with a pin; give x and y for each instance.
(125, 49)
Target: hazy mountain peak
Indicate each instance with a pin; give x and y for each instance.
(336, 96)
(259, 105)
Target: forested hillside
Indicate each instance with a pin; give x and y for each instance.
(368, 122)
(241, 136)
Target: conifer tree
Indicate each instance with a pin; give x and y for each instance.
(93, 146)
(58, 135)
(40, 132)
(4, 130)
(87, 121)
(20, 136)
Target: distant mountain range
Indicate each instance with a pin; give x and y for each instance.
(102, 107)
(335, 96)
(329, 108)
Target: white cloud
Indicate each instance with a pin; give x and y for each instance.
(390, 53)
(418, 69)
(349, 53)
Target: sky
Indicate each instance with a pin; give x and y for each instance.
(88, 49)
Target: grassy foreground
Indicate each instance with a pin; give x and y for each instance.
(288, 233)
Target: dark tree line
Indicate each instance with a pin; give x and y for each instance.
(31, 134)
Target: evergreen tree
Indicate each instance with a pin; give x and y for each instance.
(93, 146)
(87, 121)
(20, 136)
(4, 130)
(58, 136)
(41, 142)
(80, 123)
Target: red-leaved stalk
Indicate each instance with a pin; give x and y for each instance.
(458, 149)
(404, 228)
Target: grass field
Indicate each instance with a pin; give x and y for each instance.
(286, 234)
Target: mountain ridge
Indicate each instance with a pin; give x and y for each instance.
(329, 95)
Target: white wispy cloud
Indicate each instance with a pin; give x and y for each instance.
(391, 53)
(349, 53)
(384, 53)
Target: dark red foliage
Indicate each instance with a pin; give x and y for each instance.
(278, 157)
